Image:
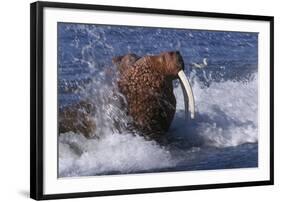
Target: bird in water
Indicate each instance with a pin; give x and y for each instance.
(200, 65)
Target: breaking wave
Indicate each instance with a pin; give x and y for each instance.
(226, 100)
(227, 112)
(224, 118)
(111, 154)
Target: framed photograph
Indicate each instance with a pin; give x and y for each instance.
(136, 100)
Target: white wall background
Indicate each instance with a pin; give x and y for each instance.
(14, 100)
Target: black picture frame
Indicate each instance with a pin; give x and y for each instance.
(37, 101)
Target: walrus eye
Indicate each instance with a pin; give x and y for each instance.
(188, 94)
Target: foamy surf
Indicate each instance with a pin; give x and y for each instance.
(224, 118)
(226, 115)
(111, 154)
(227, 112)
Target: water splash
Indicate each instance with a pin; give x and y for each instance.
(221, 121)
(226, 97)
(227, 113)
(111, 154)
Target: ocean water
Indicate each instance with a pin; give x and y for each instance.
(224, 133)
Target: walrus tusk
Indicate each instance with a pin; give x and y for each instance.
(187, 92)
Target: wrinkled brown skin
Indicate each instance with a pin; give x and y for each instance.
(146, 83)
(77, 118)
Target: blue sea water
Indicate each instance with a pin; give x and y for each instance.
(224, 134)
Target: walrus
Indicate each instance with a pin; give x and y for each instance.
(77, 118)
(147, 85)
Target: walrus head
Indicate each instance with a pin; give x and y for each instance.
(171, 64)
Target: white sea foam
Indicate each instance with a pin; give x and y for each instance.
(227, 112)
(113, 153)
(226, 115)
